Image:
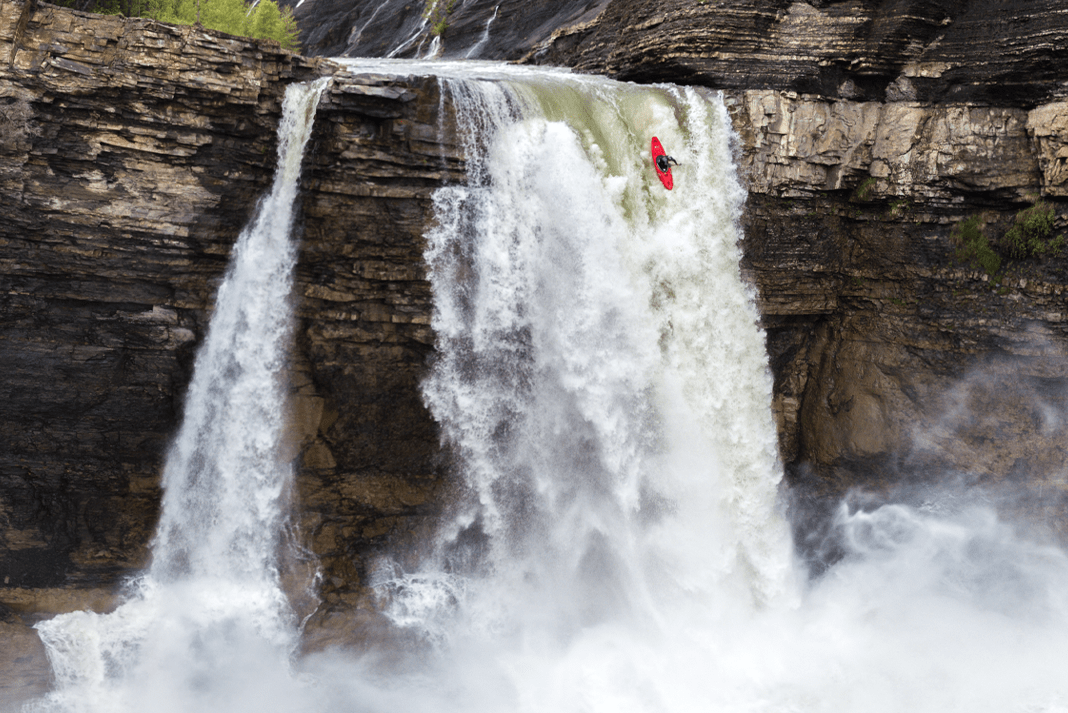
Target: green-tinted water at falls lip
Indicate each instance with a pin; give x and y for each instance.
(601, 377)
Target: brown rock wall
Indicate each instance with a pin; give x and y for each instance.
(370, 466)
(934, 154)
(999, 52)
(897, 362)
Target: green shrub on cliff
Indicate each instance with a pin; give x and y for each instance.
(1031, 233)
(437, 13)
(262, 19)
(865, 190)
(974, 248)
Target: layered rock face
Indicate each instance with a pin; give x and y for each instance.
(984, 51)
(370, 463)
(900, 363)
(131, 155)
(999, 52)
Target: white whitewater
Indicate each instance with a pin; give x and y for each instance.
(604, 384)
(601, 372)
(207, 626)
(601, 383)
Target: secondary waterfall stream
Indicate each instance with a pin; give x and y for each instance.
(210, 607)
(601, 383)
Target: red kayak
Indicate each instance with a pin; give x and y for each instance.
(665, 176)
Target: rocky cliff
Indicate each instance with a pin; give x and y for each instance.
(901, 363)
(131, 154)
(999, 52)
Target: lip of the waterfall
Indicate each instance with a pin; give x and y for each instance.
(469, 69)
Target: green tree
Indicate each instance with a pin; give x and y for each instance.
(271, 22)
(437, 12)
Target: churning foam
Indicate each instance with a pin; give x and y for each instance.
(603, 380)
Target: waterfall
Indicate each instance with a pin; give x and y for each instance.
(210, 608)
(602, 388)
(587, 319)
(616, 543)
(482, 41)
(603, 382)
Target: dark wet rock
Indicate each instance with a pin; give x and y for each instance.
(483, 29)
(980, 51)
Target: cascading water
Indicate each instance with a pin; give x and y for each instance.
(208, 625)
(604, 383)
(586, 318)
(484, 40)
(601, 382)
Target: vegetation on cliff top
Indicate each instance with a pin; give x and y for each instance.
(260, 19)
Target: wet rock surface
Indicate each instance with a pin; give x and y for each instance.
(477, 29)
(370, 463)
(996, 52)
(980, 51)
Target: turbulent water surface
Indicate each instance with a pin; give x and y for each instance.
(602, 379)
